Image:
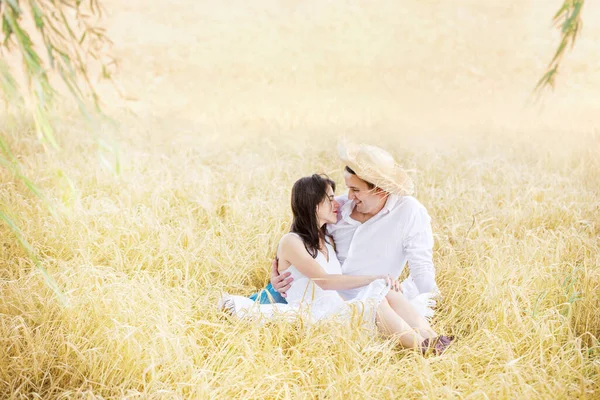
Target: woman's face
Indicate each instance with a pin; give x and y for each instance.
(327, 209)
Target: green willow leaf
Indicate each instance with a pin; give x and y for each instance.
(7, 30)
(8, 84)
(568, 20)
(14, 5)
(44, 126)
(50, 282)
(37, 14)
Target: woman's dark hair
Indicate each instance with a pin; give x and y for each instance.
(307, 193)
(351, 171)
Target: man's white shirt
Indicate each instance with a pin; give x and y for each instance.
(399, 233)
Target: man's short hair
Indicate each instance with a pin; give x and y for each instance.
(351, 171)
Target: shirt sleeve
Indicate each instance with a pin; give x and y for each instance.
(418, 247)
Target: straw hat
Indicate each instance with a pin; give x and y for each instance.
(377, 166)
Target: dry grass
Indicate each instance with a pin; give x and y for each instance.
(236, 100)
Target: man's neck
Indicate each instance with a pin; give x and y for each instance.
(364, 217)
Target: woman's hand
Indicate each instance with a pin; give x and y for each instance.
(393, 284)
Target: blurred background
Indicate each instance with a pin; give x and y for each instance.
(421, 67)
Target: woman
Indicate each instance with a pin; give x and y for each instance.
(307, 253)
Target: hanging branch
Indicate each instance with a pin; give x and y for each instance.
(568, 20)
(67, 33)
(52, 38)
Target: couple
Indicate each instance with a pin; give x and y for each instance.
(343, 255)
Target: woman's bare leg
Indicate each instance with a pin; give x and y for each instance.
(403, 308)
(390, 323)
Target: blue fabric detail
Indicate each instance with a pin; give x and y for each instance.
(263, 296)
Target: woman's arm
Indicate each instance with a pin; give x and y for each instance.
(291, 249)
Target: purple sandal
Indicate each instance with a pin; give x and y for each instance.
(437, 345)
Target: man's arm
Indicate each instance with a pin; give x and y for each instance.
(280, 282)
(418, 247)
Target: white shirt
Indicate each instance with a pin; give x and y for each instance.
(400, 232)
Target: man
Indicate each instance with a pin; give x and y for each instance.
(380, 228)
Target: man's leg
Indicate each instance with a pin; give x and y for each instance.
(402, 307)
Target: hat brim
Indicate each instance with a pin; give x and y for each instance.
(393, 180)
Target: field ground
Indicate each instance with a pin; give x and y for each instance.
(227, 104)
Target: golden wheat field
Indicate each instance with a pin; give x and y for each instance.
(224, 105)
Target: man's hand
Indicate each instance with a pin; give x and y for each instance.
(280, 282)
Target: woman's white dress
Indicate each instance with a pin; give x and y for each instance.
(306, 297)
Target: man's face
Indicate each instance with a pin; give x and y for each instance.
(367, 201)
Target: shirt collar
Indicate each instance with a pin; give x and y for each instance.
(348, 206)
(391, 202)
